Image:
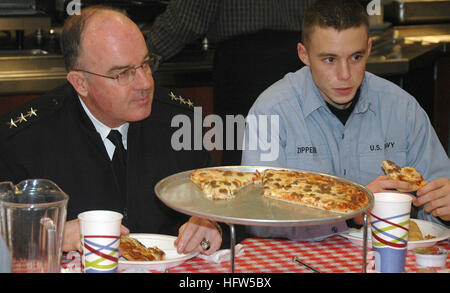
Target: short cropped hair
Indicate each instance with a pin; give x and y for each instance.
(338, 14)
(72, 31)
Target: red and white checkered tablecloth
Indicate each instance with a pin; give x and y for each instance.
(333, 255)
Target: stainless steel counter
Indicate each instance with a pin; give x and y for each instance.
(36, 71)
(30, 72)
(403, 48)
(396, 51)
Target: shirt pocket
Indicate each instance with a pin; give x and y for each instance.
(314, 158)
(370, 166)
(370, 163)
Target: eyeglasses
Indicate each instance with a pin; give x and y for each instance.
(128, 75)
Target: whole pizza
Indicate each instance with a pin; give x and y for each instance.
(308, 189)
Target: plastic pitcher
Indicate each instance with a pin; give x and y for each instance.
(32, 217)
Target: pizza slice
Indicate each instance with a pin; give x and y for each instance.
(223, 184)
(414, 233)
(406, 174)
(313, 190)
(134, 250)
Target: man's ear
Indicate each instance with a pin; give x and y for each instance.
(79, 82)
(303, 54)
(369, 46)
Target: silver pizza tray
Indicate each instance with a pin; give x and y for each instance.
(249, 207)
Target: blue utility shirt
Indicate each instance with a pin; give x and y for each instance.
(386, 124)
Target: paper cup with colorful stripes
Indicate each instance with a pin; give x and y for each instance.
(100, 240)
(390, 225)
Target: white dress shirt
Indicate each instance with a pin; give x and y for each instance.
(104, 130)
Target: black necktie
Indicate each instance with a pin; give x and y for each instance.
(119, 163)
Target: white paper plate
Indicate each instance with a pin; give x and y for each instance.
(427, 228)
(163, 242)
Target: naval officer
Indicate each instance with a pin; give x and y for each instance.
(104, 137)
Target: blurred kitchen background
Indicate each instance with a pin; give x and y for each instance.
(410, 48)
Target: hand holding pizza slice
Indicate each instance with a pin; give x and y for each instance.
(405, 174)
(435, 196)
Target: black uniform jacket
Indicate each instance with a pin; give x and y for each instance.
(53, 138)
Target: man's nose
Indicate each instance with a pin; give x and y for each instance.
(343, 70)
(142, 79)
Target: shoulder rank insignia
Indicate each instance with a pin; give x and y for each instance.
(181, 100)
(22, 118)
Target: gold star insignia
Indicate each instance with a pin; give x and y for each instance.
(190, 103)
(182, 101)
(12, 123)
(173, 97)
(21, 118)
(32, 112)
